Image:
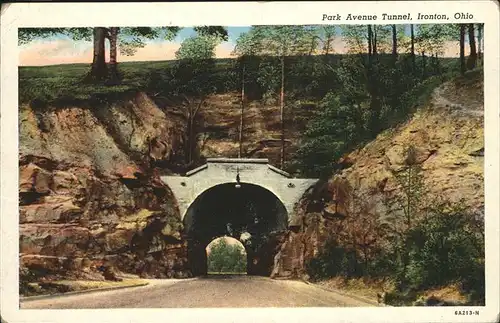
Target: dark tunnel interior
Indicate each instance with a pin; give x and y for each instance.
(248, 213)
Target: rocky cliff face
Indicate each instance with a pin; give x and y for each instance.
(88, 194)
(219, 123)
(448, 137)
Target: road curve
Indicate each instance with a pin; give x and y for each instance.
(211, 291)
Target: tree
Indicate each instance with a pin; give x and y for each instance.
(125, 39)
(412, 52)
(280, 42)
(430, 38)
(327, 33)
(330, 135)
(462, 49)
(447, 247)
(479, 42)
(193, 76)
(367, 41)
(224, 257)
(472, 61)
(113, 40)
(242, 102)
(411, 201)
(245, 49)
(408, 207)
(98, 69)
(356, 38)
(394, 43)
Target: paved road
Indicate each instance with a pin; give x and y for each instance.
(211, 291)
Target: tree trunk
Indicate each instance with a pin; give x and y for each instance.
(190, 136)
(412, 32)
(472, 61)
(394, 43)
(374, 40)
(372, 84)
(424, 67)
(98, 69)
(370, 41)
(240, 152)
(312, 48)
(435, 63)
(479, 42)
(282, 112)
(408, 211)
(327, 46)
(113, 68)
(462, 49)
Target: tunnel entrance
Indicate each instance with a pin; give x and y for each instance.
(246, 212)
(226, 255)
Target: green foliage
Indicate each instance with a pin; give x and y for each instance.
(330, 135)
(226, 258)
(275, 45)
(194, 70)
(427, 241)
(334, 260)
(446, 247)
(407, 208)
(26, 35)
(275, 41)
(218, 32)
(372, 98)
(197, 48)
(132, 38)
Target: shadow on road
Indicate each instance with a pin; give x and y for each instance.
(225, 276)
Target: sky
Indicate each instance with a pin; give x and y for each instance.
(63, 50)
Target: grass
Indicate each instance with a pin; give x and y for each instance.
(50, 83)
(89, 284)
(65, 286)
(362, 287)
(368, 288)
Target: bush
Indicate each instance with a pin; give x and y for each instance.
(334, 260)
(446, 248)
(338, 128)
(224, 257)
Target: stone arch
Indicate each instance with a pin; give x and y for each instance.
(225, 170)
(251, 214)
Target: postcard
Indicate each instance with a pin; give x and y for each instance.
(250, 161)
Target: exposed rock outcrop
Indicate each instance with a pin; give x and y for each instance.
(448, 137)
(89, 197)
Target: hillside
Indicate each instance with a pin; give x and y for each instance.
(448, 136)
(90, 159)
(90, 194)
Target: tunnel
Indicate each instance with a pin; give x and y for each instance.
(246, 212)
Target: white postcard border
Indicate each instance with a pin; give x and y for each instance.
(236, 14)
